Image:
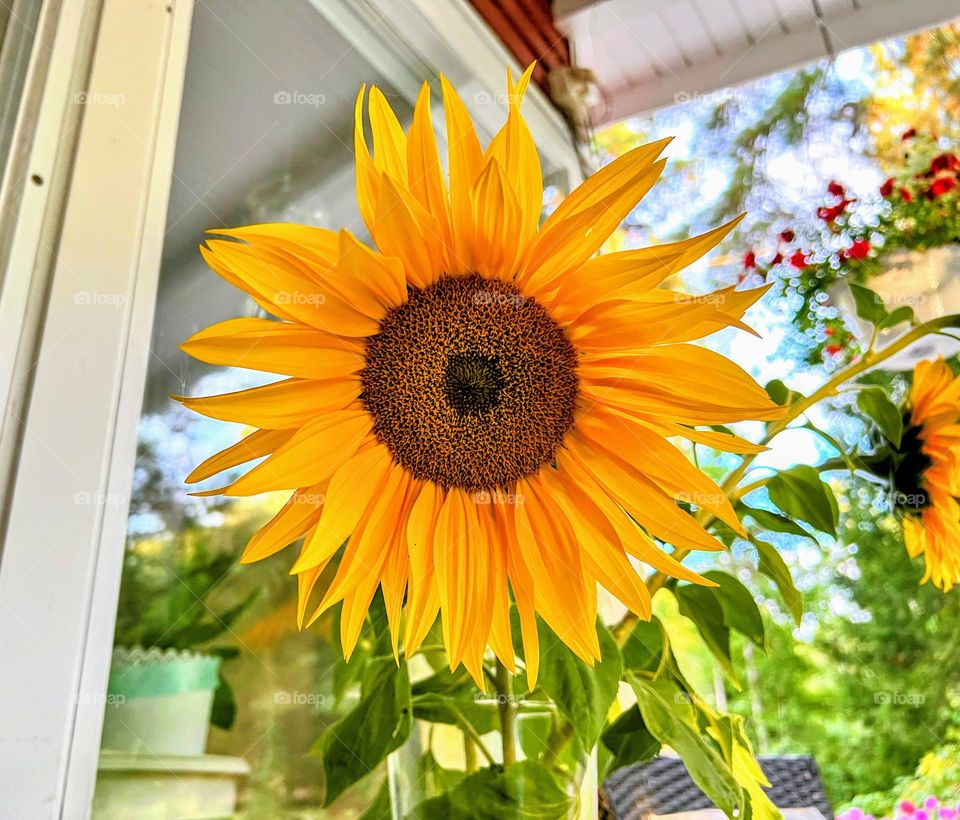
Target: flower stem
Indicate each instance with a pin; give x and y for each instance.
(729, 485)
(508, 714)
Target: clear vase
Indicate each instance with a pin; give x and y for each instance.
(443, 770)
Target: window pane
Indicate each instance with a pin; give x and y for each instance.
(265, 135)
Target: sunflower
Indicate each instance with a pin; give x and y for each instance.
(480, 408)
(926, 478)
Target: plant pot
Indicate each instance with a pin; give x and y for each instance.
(927, 281)
(433, 764)
(159, 701)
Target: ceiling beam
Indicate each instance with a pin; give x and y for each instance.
(876, 20)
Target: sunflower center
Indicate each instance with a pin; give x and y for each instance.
(908, 475)
(470, 383)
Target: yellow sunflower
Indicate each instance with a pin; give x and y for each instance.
(480, 407)
(927, 477)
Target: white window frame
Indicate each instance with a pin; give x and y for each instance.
(76, 314)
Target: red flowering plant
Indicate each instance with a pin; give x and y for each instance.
(915, 209)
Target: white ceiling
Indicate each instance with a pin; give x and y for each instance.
(651, 53)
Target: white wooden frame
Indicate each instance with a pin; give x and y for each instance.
(81, 284)
(67, 501)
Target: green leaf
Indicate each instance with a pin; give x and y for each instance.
(868, 305)
(774, 521)
(773, 566)
(706, 767)
(629, 739)
(380, 807)
(703, 608)
(897, 316)
(740, 610)
(582, 693)
(522, 790)
(377, 725)
(347, 674)
(875, 403)
(778, 392)
(644, 647)
(800, 493)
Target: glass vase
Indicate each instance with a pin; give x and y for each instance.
(454, 765)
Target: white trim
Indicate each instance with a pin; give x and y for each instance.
(60, 569)
(848, 28)
(409, 40)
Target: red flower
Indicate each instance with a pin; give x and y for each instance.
(828, 331)
(776, 259)
(799, 260)
(749, 260)
(906, 195)
(860, 249)
(833, 350)
(787, 236)
(944, 162)
(909, 134)
(887, 188)
(941, 186)
(830, 214)
(836, 189)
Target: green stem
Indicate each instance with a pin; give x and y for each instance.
(470, 754)
(508, 714)
(471, 740)
(729, 485)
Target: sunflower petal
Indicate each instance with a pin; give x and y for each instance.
(275, 347)
(311, 455)
(256, 445)
(281, 405)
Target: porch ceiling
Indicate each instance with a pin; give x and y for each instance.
(651, 53)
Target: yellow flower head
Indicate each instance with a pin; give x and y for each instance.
(927, 479)
(479, 407)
